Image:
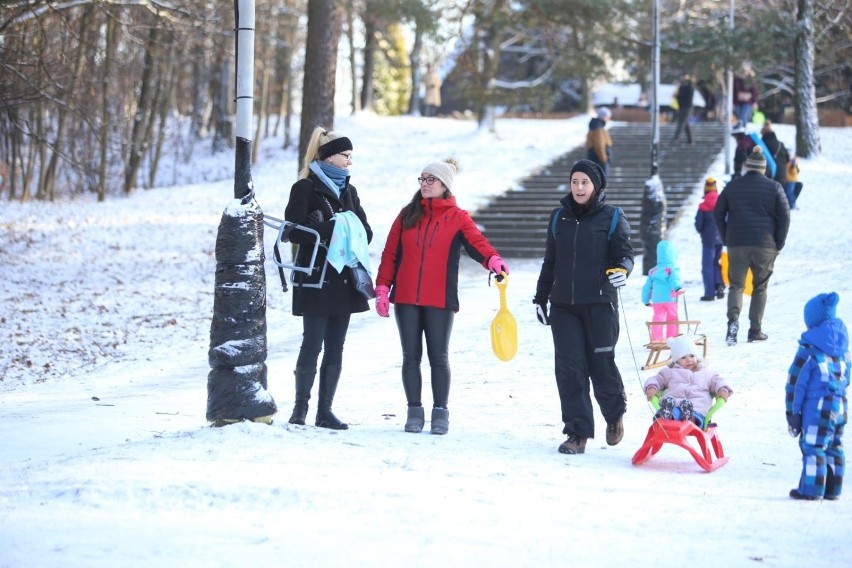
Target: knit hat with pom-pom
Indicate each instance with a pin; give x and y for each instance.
(444, 171)
(710, 185)
(756, 161)
(820, 308)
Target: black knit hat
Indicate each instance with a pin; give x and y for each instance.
(336, 146)
(594, 171)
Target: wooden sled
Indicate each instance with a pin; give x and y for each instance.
(657, 348)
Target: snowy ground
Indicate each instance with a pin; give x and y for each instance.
(108, 460)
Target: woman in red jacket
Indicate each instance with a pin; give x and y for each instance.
(421, 263)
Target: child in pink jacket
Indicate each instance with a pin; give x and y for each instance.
(688, 384)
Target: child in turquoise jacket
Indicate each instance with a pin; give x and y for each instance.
(662, 289)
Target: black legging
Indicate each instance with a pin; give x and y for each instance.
(326, 333)
(437, 325)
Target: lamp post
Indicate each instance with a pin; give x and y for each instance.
(729, 103)
(652, 224)
(236, 383)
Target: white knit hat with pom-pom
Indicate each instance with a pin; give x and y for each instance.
(444, 171)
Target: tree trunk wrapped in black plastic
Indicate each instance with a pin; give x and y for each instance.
(236, 384)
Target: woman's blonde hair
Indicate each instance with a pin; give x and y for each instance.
(319, 137)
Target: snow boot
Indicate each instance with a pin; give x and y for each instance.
(794, 494)
(440, 420)
(733, 329)
(416, 419)
(304, 384)
(666, 411)
(329, 377)
(615, 432)
(573, 445)
(686, 410)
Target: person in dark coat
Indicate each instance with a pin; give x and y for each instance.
(744, 145)
(778, 151)
(584, 265)
(598, 140)
(816, 402)
(325, 298)
(684, 96)
(419, 273)
(711, 244)
(753, 218)
(653, 221)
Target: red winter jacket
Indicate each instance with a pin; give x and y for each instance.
(422, 263)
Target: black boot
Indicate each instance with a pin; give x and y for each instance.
(329, 376)
(304, 383)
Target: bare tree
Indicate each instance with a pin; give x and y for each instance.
(325, 18)
(807, 120)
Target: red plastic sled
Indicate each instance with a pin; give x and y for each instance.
(708, 453)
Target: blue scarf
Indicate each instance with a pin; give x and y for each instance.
(331, 176)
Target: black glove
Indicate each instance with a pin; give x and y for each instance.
(794, 424)
(315, 217)
(541, 312)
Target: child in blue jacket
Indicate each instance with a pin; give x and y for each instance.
(662, 289)
(816, 399)
(711, 244)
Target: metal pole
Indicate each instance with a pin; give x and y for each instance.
(729, 100)
(245, 96)
(655, 107)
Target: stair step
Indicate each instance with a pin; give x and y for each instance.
(516, 222)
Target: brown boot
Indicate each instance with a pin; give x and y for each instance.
(573, 445)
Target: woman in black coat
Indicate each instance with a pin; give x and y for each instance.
(588, 257)
(326, 298)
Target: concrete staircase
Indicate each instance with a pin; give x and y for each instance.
(516, 222)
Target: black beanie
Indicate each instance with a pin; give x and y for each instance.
(594, 171)
(336, 146)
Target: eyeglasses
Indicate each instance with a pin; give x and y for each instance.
(427, 180)
(346, 156)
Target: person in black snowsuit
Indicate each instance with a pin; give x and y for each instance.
(587, 258)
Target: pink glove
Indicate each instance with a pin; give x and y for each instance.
(677, 293)
(382, 301)
(497, 266)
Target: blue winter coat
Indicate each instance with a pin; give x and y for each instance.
(664, 279)
(829, 338)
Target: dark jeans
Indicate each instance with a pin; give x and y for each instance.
(683, 123)
(584, 338)
(761, 261)
(711, 271)
(326, 333)
(436, 324)
(792, 189)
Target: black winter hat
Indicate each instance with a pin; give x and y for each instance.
(594, 171)
(335, 146)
